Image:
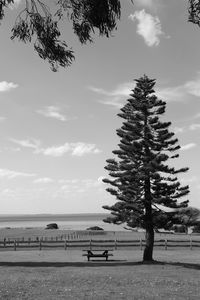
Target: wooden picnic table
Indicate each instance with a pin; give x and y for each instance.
(97, 253)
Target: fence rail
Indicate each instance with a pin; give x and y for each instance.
(45, 243)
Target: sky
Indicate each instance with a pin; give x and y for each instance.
(58, 128)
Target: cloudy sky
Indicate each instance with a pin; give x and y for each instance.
(57, 129)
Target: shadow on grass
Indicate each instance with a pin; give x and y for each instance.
(97, 263)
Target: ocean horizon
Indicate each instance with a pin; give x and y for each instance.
(80, 221)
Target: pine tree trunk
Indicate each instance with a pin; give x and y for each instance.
(148, 250)
(149, 237)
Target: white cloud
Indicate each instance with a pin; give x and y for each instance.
(178, 129)
(146, 3)
(81, 185)
(192, 179)
(119, 95)
(181, 92)
(2, 119)
(7, 86)
(123, 89)
(43, 180)
(10, 174)
(171, 93)
(188, 146)
(92, 183)
(116, 96)
(68, 181)
(56, 151)
(87, 182)
(28, 143)
(80, 149)
(194, 126)
(52, 112)
(148, 27)
(193, 86)
(191, 127)
(76, 149)
(149, 4)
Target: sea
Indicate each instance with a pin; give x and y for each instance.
(64, 221)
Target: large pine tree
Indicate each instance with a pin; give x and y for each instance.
(141, 178)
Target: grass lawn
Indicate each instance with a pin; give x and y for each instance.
(59, 274)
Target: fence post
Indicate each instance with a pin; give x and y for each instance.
(40, 244)
(165, 244)
(65, 244)
(4, 242)
(15, 245)
(115, 244)
(140, 244)
(90, 244)
(190, 243)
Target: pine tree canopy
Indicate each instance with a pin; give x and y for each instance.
(141, 175)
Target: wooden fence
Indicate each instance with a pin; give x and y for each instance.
(63, 243)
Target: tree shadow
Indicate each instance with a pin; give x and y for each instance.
(180, 264)
(96, 263)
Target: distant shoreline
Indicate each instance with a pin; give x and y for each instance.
(51, 214)
(26, 217)
(64, 221)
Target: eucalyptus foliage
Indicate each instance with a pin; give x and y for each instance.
(37, 24)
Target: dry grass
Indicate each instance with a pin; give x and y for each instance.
(60, 274)
(26, 233)
(33, 233)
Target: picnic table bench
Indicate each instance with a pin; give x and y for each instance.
(97, 253)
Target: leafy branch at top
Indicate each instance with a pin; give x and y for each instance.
(3, 5)
(87, 16)
(194, 11)
(36, 21)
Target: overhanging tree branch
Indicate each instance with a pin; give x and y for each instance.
(37, 24)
